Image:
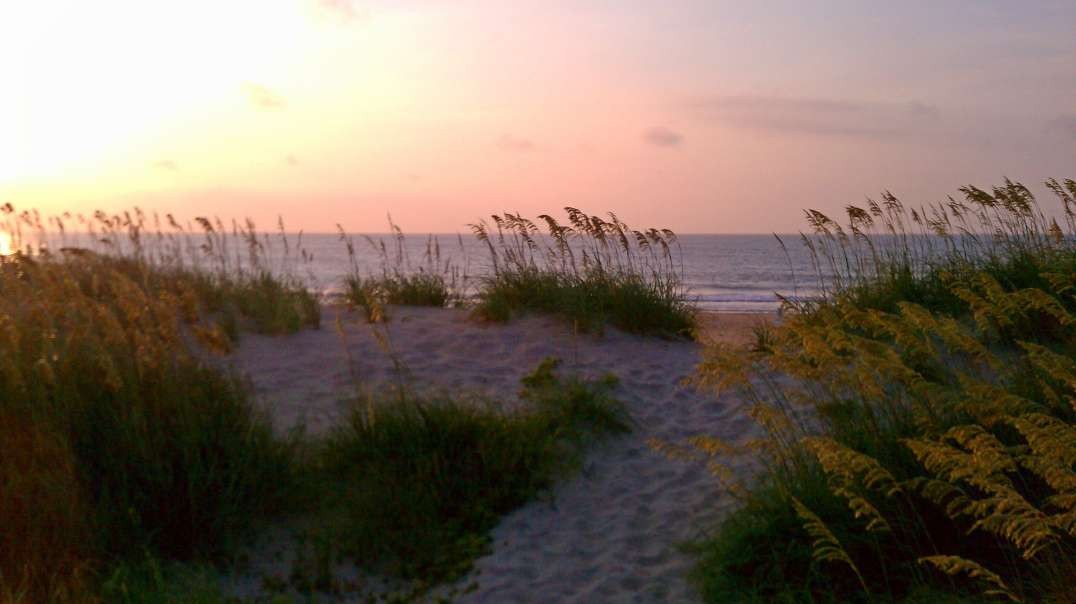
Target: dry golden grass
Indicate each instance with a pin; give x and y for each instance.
(117, 439)
(944, 426)
(44, 513)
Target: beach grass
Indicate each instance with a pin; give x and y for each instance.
(591, 271)
(117, 440)
(227, 303)
(415, 483)
(150, 580)
(430, 281)
(229, 276)
(925, 449)
(918, 416)
(133, 464)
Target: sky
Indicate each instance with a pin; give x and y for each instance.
(700, 116)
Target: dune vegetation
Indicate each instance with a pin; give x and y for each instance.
(410, 485)
(119, 441)
(590, 271)
(920, 418)
(134, 467)
(432, 282)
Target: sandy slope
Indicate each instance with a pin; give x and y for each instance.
(611, 533)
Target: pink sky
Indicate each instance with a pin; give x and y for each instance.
(705, 116)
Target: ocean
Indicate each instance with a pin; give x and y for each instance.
(723, 273)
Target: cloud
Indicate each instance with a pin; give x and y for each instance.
(291, 160)
(508, 142)
(261, 97)
(823, 117)
(167, 165)
(1064, 125)
(662, 137)
(341, 9)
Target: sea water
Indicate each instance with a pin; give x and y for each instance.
(723, 273)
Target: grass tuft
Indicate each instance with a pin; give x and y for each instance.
(119, 440)
(417, 483)
(926, 449)
(592, 272)
(435, 282)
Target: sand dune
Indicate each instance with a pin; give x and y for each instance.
(609, 534)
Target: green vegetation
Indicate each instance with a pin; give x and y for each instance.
(151, 581)
(123, 448)
(224, 279)
(226, 304)
(919, 418)
(413, 485)
(117, 440)
(132, 466)
(926, 451)
(235, 277)
(435, 282)
(593, 272)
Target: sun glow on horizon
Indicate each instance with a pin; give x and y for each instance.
(692, 114)
(101, 81)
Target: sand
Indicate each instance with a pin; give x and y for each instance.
(611, 533)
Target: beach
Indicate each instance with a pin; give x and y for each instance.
(524, 302)
(570, 432)
(610, 533)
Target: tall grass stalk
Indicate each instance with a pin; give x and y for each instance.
(927, 447)
(592, 271)
(435, 281)
(238, 276)
(117, 440)
(887, 252)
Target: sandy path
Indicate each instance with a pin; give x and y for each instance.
(609, 534)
